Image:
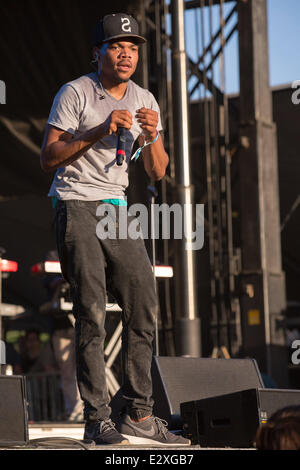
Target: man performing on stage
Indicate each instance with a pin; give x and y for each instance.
(80, 143)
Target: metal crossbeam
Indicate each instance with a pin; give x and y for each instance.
(216, 36)
(214, 57)
(192, 4)
(210, 84)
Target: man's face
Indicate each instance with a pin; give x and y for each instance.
(120, 60)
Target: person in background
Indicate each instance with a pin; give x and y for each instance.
(34, 357)
(281, 432)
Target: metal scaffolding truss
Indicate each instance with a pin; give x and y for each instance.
(246, 279)
(225, 323)
(225, 320)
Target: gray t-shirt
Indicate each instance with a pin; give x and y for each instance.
(78, 107)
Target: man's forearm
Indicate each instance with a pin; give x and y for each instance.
(63, 152)
(156, 160)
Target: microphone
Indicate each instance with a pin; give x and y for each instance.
(121, 146)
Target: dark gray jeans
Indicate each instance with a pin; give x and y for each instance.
(92, 267)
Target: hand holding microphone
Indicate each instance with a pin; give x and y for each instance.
(117, 123)
(121, 120)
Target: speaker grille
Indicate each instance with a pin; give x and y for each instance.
(13, 413)
(180, 379)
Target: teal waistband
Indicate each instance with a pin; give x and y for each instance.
(115, 202)
(54, 201)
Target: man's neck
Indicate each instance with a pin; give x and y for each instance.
(117, 90)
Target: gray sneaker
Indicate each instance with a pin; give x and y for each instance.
(152, 431)
(103, 432)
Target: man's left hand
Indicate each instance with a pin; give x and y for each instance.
(148, 121)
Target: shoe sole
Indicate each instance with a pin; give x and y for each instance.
(123, 443)
(144, 441)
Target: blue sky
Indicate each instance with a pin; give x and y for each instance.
(284, 50)
(284, 29)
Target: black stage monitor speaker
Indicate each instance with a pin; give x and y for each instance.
(180, 379)
(232, 420)
(13, 411)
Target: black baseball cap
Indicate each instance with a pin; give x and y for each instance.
(115, 26)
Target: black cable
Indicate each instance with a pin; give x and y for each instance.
(51, 441)
(61, 440)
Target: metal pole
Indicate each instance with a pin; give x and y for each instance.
(141, 15)
(188, 335)
(152, 195)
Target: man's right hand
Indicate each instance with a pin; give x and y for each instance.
(60, 148)
(118, 118)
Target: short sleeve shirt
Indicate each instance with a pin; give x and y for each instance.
(79, 106)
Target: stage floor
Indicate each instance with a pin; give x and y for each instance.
(75, 431)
